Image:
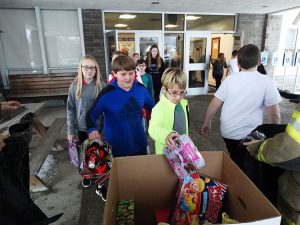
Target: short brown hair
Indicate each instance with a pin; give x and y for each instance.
(123, 62)
(248, 56)
(173, 76)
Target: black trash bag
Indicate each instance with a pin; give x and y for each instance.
(22, 129)
(27, 118)
(16, 205)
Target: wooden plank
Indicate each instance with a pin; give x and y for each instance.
(40, 152)
(35, 79)
(39, 127)
(37, 83)
(40, 86)
(36, 184)
(32, 95)
(52, 91)
(42, 75)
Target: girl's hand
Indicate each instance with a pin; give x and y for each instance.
(170, 139)
(71, 138)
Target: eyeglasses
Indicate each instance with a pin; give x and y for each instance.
(87, 68)
(176, 93)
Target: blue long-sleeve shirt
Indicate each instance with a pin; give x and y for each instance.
(123, 128)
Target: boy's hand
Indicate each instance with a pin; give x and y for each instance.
(95, 135)
(206, 129)
(170, 139)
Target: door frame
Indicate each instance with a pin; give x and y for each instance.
(113, 34)
(196, 66)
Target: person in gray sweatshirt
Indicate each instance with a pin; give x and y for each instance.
(82, 94)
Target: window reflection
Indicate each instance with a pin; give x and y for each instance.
(173, 50)
(196, 78)
(210, 22)
(145, 45)
(197, 51)
(174, 22)
(141, 21)
(20, 40)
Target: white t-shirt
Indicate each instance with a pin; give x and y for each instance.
(233, 66)
(244, 96)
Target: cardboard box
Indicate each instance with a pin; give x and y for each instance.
(150, 181)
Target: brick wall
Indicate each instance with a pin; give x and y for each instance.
(272, 40)
(251, 27)
(263, 31)
(93, 36)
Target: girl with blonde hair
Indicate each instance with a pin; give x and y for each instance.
(82, 94)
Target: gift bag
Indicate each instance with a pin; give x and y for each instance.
(74, 153)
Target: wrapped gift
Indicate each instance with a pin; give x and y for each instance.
(184, 158)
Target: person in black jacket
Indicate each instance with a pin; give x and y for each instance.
(155, 67)
(218, 65)
(261, 69)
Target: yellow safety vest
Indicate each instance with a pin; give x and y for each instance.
(293, 127)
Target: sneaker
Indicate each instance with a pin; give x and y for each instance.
(86, 183)
(101, 190)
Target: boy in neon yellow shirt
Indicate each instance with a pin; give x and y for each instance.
(169, 118)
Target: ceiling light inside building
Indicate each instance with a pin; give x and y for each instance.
(127, 16)
(171, 25)
(192, 17)
(121, 25)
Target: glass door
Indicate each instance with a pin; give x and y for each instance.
(111, 43)
(144, 40)
(196, 63)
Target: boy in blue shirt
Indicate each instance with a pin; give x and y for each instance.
(122, 102)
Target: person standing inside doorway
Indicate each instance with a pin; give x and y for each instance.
(218, 65)
(155, 67)
(233, 64)
(135, 57)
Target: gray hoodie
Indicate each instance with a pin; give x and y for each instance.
(77, 108)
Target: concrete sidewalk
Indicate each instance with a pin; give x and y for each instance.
(83, 206)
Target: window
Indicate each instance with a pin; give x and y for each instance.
(173, 55)
(210, 22)
(174, 22)
(62, 40)
(22, 52)
(20, 41)
(133, 21)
